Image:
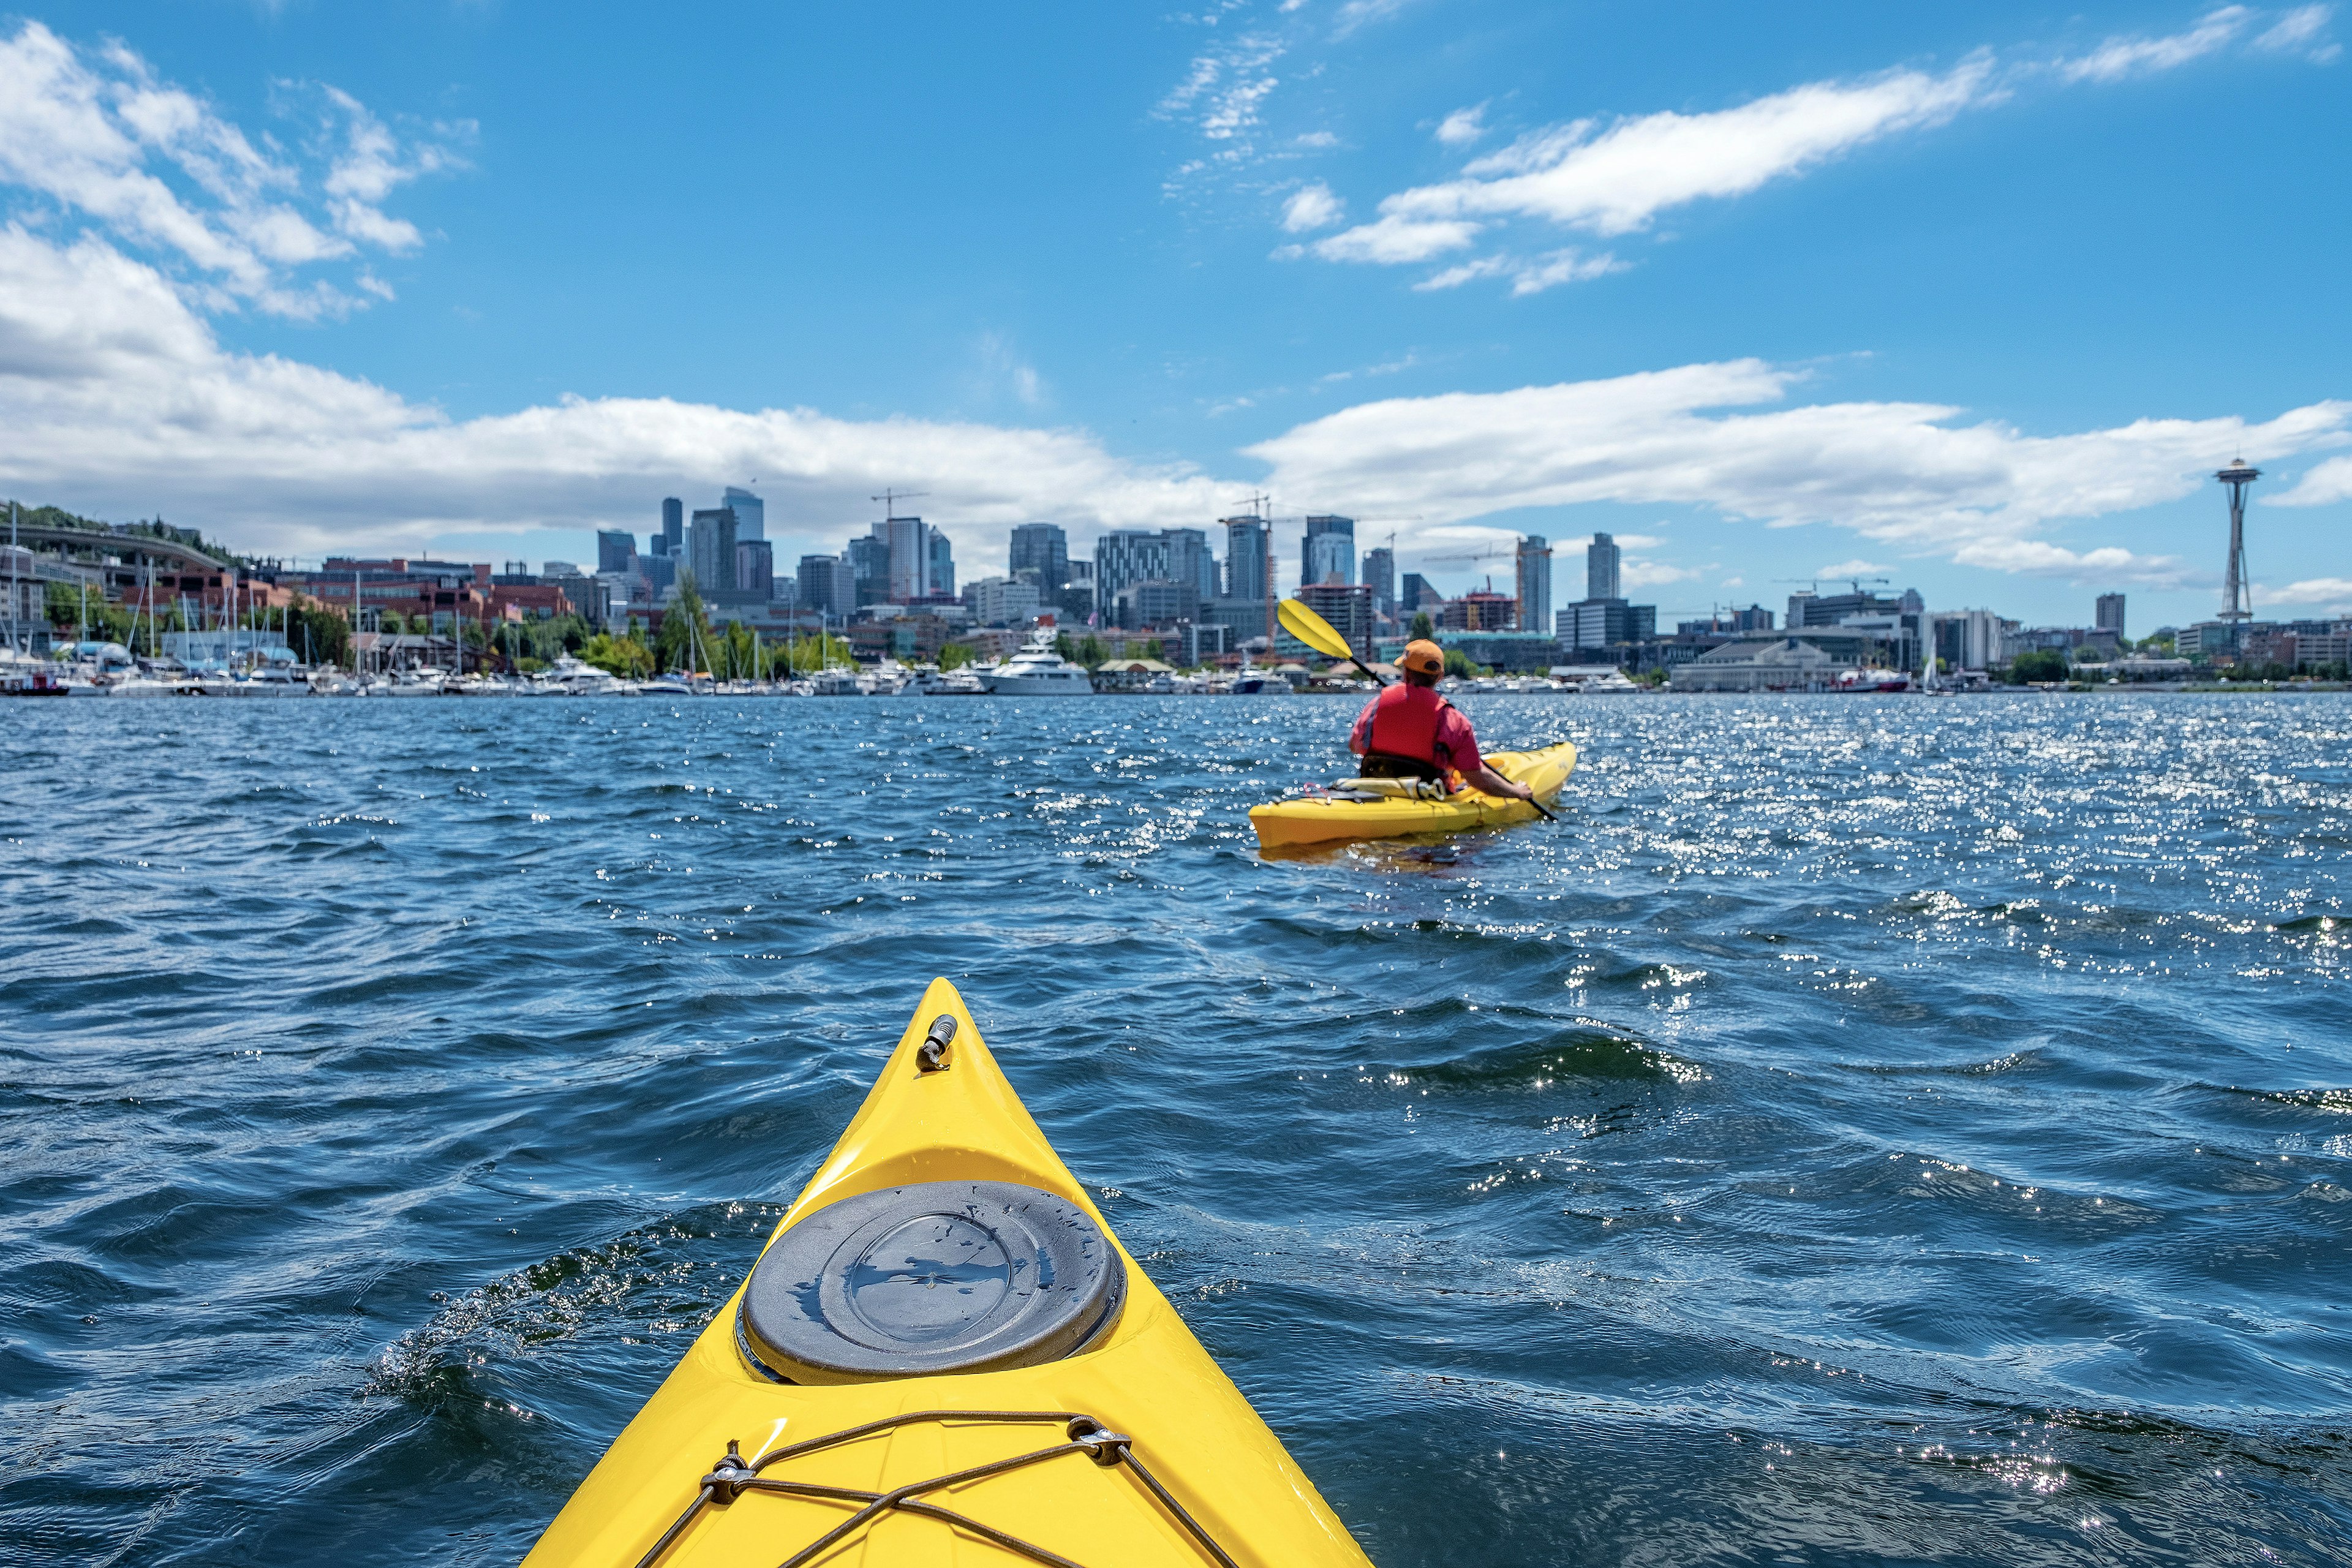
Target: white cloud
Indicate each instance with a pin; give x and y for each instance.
(117, 394)
(2123, 57)
(1394, 239)
(1902, 474)
(2324, 482)
(96, 133)
(1617, 179)
(118, 398)
(1223, 93)
(1857, 567)
(2299, 32)
(1463, 126)
(1637, 572)
(2333, 594)
(1313, 207)
(1528, 273)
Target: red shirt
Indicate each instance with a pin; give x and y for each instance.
(1407, 721)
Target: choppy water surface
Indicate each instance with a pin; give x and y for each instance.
(1863, 1130)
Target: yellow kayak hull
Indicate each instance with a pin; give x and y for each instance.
(1311, 819)
(1147, 1377)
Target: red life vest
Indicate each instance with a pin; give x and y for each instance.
(1405, 724)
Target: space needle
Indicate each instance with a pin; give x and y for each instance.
(2235, 590)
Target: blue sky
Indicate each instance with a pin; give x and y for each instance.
(1970, 300)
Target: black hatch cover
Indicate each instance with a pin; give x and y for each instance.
(940, 1276)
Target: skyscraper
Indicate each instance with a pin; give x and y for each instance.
(2110, 614)
(1245, 558)
(1379, 576)
(939, 565)
(1417, 595)
(1190, 560)
(1534, 583)
(673, 529)
(1601, 568)
(910, 557)
(755, 568)
(828, 585)
(616, 549)
(750, 513)
(869, 570)
(710, 551)
(1327, 554)
(1045, 548)
(1126, 555)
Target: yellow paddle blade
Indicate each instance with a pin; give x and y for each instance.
(1313, 629)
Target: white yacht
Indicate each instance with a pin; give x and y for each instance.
(953, 683)
(1038, 670)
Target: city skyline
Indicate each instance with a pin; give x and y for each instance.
(1486, 270)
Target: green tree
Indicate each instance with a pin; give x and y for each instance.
(954, 656)
(624, 655)
(1458, 663)
(2040, 664)
(1423, 626)
(684, 634)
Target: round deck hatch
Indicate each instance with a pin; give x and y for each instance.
(942, 1276)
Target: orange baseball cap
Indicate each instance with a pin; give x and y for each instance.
(1423, 657)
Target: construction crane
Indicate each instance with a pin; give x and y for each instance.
(890, 500)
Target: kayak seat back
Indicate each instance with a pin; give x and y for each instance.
(930, 1277)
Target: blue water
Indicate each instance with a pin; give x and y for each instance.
(1862, 1131)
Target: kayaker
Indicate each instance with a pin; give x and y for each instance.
(1409, 731)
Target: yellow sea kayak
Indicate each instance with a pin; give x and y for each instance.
(945, 1357)
(1390, 808)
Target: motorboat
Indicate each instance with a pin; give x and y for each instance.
(1038, 670)
(953, 683)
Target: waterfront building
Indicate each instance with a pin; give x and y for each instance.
(1327, 552)
(1778, 664)
(1247, 559)
(1969, 639)
(1600, 559)
(1594, 626)
(1514, 652)
(750, 513)
(1379, 576)
(1042, 548)
(1534, 562)
(2110, 614)
(1754, 619)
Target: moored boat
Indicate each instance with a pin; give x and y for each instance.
(944, 1356)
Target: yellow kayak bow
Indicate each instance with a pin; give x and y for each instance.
(978, 1373)
(1342, 815)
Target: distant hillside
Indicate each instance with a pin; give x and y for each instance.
(58, 517)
